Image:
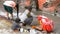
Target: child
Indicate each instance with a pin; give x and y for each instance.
(8, 6)
(45, 24)
(29, 18)
(26, 17)
(16, 25)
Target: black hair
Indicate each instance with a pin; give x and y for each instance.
(29, 8)
(17, 20)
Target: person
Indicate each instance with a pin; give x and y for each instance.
(27, 16)
(46, 24)
(16, 25)
(8, 6)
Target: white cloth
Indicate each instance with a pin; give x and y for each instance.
(9, 3)
(24, 15)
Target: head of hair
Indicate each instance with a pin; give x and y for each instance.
(17, 20)
(29, 8)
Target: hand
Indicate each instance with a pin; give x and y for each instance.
(15, 8)
(39, 28)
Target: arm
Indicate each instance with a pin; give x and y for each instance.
(37, 27)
